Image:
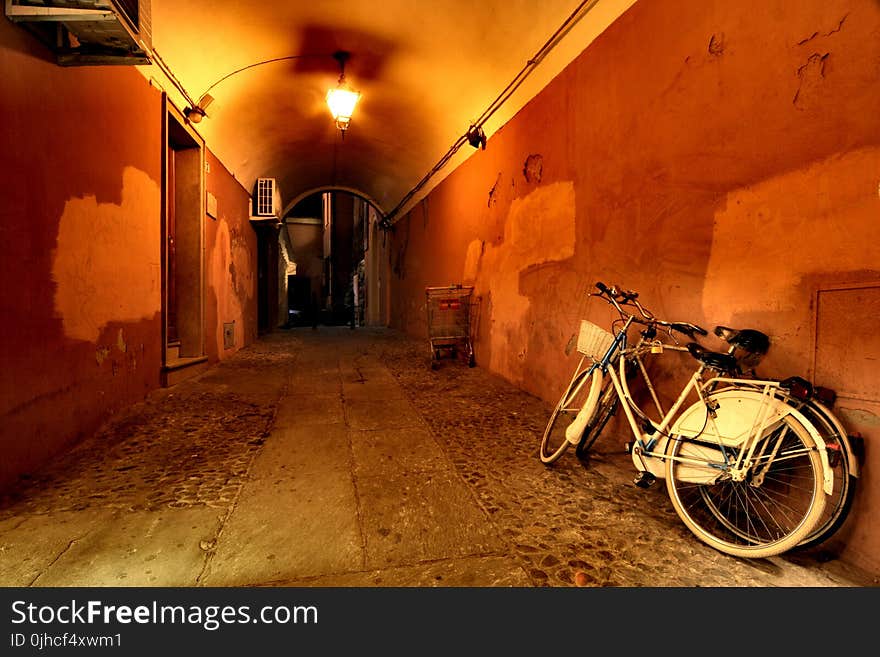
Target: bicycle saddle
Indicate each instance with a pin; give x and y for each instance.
(713, 359)
(754, 343)
(749, 340)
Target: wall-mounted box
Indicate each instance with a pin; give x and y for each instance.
(211, 205)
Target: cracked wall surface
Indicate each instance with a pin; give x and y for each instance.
(538, 231)
(231, 246)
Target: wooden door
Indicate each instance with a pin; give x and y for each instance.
(171, 228)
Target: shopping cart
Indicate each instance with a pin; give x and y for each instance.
(450, 309)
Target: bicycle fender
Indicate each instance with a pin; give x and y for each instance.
(574, 430)
(842, 436)
(737, 413)
(828, 479)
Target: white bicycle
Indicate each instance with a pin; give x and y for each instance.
(745, 471)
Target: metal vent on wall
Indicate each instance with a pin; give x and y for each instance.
(84, 32)
(228, 335)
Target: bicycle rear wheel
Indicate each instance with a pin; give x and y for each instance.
(583, 391)
(838, 504)
(771, 510)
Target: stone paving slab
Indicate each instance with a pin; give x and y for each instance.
(303, 448)
(382, 414)
(314, 374)
(30, 544)
(490, 571)
(372, 390)
(410, 517)
(308, 409)
(299, 525)
(315, 368)
(302, 384)
(373, 373)
(391, 452)
(164, 548)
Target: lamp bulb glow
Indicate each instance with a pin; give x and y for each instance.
(341, 102)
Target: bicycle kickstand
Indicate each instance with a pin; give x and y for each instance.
(644, 478)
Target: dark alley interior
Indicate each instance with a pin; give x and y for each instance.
(223, 363)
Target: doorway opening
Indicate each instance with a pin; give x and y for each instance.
(333, 262)
(183, 277)
(267, 277)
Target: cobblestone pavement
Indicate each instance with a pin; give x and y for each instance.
(193, 447)
(186, 446)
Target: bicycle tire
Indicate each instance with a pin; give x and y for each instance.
(839, 503)
(751, 518)
(609, 402)
(605, 410)
(579, 392)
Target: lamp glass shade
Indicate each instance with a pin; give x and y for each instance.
(341, 102)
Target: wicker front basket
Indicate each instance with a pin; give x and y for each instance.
(593, 340)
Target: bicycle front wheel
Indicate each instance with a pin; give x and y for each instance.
(581, 395)
(605, 410)
(765, 511)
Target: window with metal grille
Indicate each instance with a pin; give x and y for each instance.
(264, 198)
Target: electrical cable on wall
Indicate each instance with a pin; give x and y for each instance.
(475, 135)
(170, 75)
(204, 99)
(265, 61)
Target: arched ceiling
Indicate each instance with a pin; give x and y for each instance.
(427, 69)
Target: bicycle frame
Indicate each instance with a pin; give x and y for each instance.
(757, 407)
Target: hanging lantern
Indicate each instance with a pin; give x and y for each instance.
(342, 99)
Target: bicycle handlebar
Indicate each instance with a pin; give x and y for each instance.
(619, 298)
(688, 329)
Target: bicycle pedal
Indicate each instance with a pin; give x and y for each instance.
(628, 446)
(644, 479)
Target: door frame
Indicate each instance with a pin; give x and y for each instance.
(177, 130)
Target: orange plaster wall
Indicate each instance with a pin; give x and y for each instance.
(79, 220)
(231, 256)
(722, 159)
